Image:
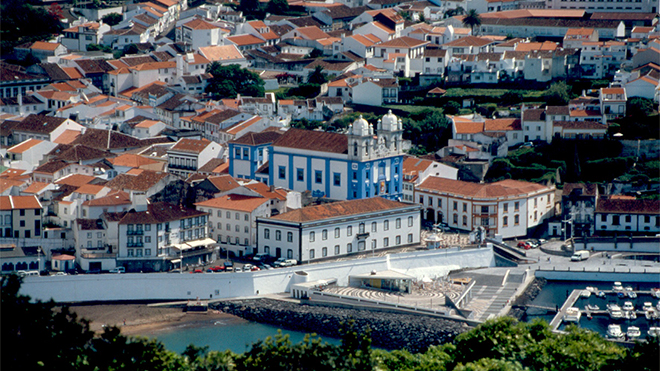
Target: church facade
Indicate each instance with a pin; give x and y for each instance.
(360, 164)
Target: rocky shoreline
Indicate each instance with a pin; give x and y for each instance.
(388, 330)
(519, 306)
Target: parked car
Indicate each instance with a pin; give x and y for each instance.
(281, 262)
(217, 268)
(118, 270)
(247, 267)
(254, 268)
(265, 266)
(524, 245)
(229, 266)
(260, 257)
(61, 274)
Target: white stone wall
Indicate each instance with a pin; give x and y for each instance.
(169, 286)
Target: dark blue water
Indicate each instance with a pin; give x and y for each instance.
(231, 333)
(555, 293)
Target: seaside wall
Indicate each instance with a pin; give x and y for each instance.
(618, 244)
(176, 286)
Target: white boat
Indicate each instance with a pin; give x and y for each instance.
(572, 314)
(585, 293)
(651, 314)
(628, 305)
(592, 289)
(633, 332)
(629, 314)
(614, 311)
(592, 307)
(647, 306)
(614, 332)
(601, 294)
(654, 331)
(632, 294)
(617, 286)
(656, 293)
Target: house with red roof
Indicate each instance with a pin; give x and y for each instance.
(200, 32)
(188, 155)
(83, 33)
(509, 208)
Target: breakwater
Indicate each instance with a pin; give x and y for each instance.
(388, 330)
(531, 292)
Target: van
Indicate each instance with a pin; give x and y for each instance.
(260, 257)
(580, 255)
(286, 262)
(27, 273)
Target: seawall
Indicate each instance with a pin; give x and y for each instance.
(388, 330)
(175, 286)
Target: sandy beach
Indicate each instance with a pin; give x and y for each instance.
(138, 319)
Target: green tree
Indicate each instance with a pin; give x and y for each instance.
(250, 7)
(112, 19)
(21, 23)
(317, 76)
(95, 47)
(452, 107)
(558, 94)
(228, 81)
(472, 19)
(639, 107)
(512, 97)
(278, 7)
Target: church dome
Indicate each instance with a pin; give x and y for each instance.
(390, 122)
(360, 127)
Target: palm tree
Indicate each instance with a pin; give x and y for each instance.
(472, 20)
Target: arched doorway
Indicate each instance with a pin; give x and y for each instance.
(430, 215)
(440, 218)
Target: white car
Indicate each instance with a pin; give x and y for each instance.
(118, 270)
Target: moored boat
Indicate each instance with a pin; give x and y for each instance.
(633, 332)
(614, 332)
(572, 314)
(654, 331)
(617, 286)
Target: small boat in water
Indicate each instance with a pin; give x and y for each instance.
(651, 314)
(617, 286)
(572, 314)
(620, 294)
(647, 306)
(592, 289)
(633, 332)
(654, 331)
(630, 293)
(585, 293)
(601, 294)
(628, 305)
(614, 332)
(630, 315)
(592, 307)
(655, 292)
(614, 311)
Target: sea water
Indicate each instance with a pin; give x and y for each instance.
(232, 333)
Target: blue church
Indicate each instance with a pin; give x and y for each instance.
(360, 164)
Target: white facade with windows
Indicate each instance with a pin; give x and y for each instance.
(339, 229)
(232, 221)
(627, 216)
(508, 208)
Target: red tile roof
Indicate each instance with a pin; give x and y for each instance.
(313, 141)
(627, 206)
(19, 202)
(234, 202)
(341, 209)
(504, 188)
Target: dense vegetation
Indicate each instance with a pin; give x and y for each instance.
(37, 335)
(228, 81)
(22, 23)
(574, 161)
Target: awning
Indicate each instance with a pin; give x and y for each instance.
(176, 261)
(192, 244)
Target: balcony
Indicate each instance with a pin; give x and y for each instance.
(135, 244)
(182, 167)
(97, 255)
(135, 232)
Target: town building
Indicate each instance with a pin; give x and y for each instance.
(578, 203)
(509, 208)
(626, 215)
(163, 237)
(232, 221)
(188, 155)
(21, 217)
(338, 229)
(362, 164)
(249, 153)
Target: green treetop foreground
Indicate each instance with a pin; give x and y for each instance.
(39, 336)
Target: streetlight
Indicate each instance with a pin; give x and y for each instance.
(39, 260)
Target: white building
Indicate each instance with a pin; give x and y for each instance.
(188, 155)
(339, 229)
(509, 208)
(198, 33)
(627, 6)
(159, 238)
(625, 216)
(232, 221)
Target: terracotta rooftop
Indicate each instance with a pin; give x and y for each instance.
(266, 191)
(501, 189)
(234, 202)
(19, 202)
(191, 145)
(223, 183)
(502, 124)
(131, 160)
(114, 198)
(139, 182)
(35, 188)
(340, 210)
(313, 141)
(160, 212)
(24, 146)
(588, 189)
(77, 180)
(77, 153)
(627, 206)
(40, 124)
